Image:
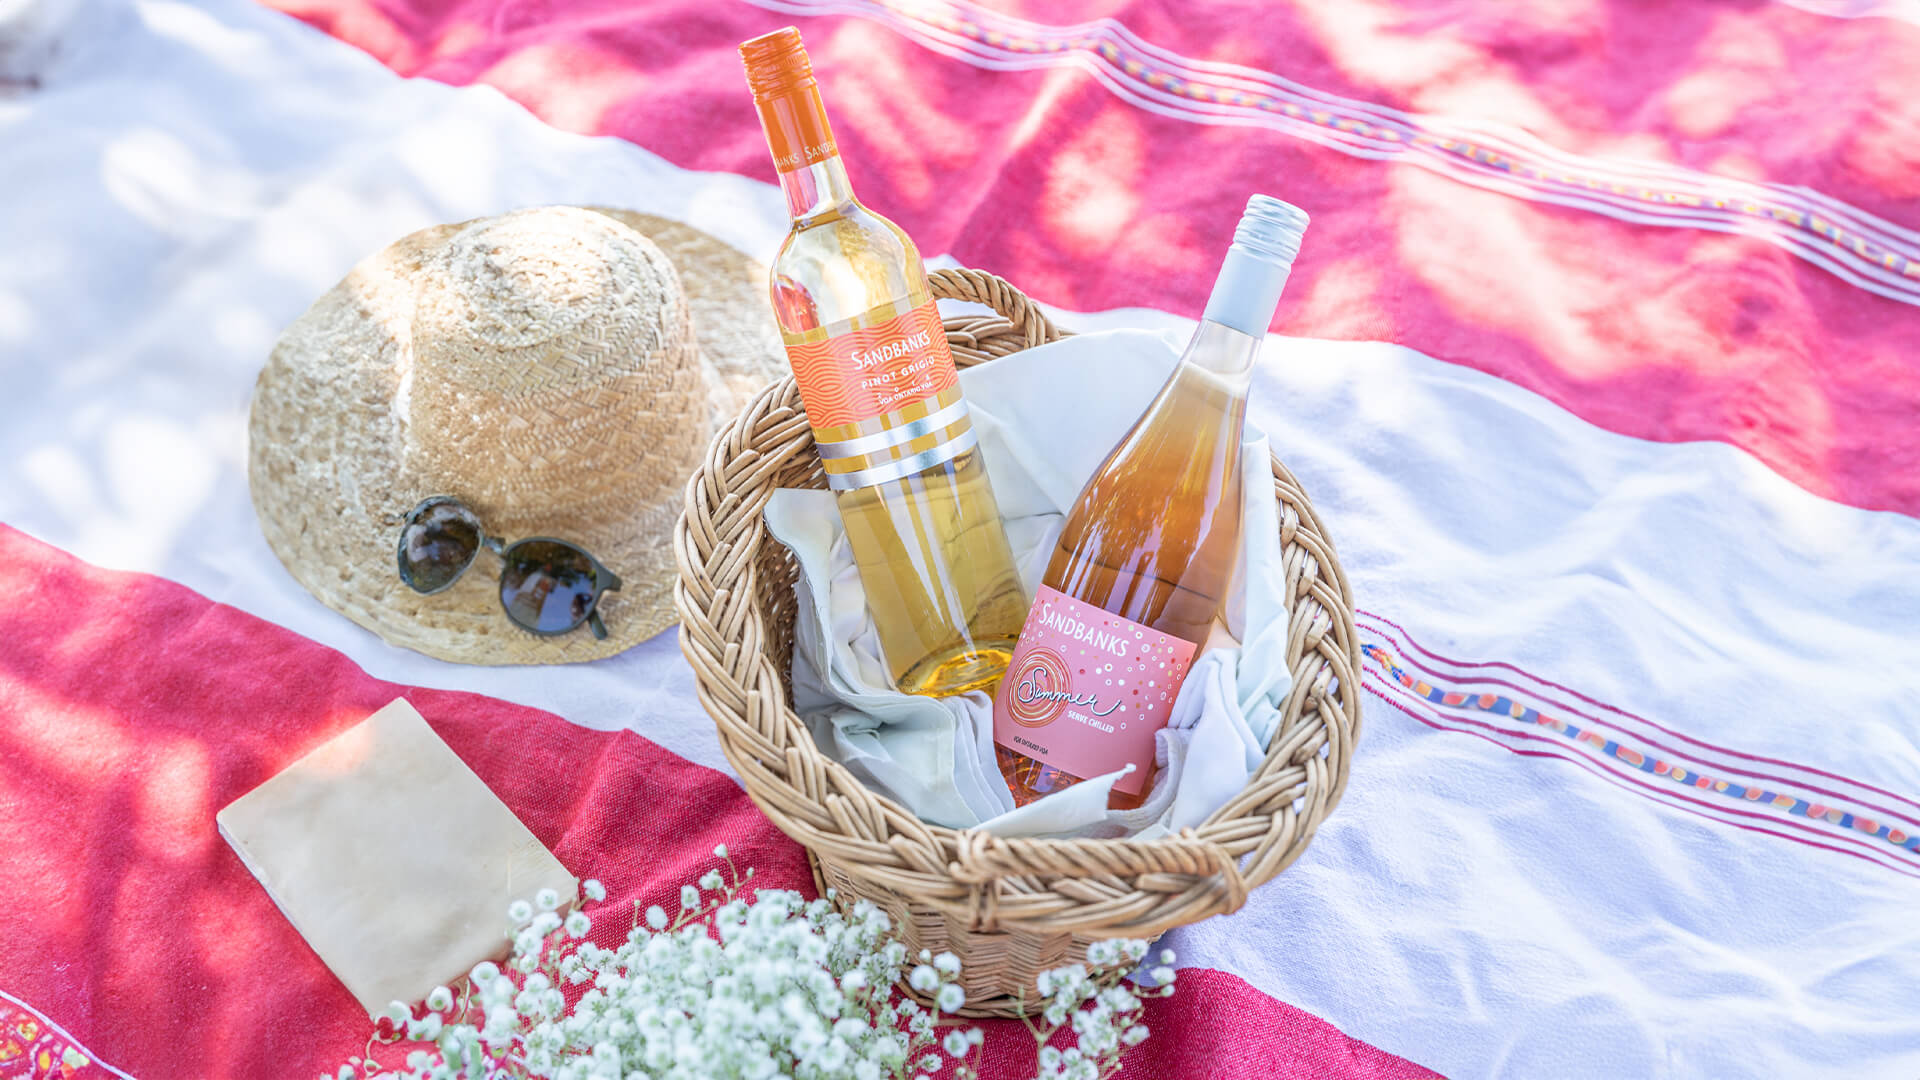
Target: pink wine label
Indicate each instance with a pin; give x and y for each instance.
(1087, 689)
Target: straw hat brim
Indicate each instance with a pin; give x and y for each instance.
(328, 478)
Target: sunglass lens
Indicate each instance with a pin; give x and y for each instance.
(548, 586)
(438, 544)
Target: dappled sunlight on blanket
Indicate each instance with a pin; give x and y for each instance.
(913, 125)
(58, 738)
(173, 212)
(131, 485)
(573, 83)
(1092, 184)
(1709, 343)
(132, 710)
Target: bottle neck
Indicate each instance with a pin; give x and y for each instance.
(815, 189)
(1224, 352)
(1228, 340)
(804, 152)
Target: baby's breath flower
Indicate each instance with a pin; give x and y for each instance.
(720, 851)
(398, 1012)
(546, 899)
(781, 985)
(594, 891)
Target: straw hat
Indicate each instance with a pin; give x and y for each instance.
(559, 370)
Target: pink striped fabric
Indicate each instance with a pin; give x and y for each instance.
(1532, 717)
(1046, 145)
(1678, 223)
(127, 913)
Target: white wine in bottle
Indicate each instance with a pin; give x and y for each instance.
(1146, 551)
(884, 402)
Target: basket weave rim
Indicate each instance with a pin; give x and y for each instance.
(1097, 888)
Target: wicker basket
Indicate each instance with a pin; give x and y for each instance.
(1009, 908)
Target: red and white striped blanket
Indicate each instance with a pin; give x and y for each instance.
(1602, 363)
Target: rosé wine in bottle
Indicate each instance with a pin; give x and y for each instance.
(881, 394)
(1146, 552)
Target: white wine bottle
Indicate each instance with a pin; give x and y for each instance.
(883, 399)
(1147, 549)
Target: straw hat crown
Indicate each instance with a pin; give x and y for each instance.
(554, 371)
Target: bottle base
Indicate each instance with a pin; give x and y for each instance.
(1029, 779)
(959, 669)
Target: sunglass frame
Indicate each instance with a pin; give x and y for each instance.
(604, 580)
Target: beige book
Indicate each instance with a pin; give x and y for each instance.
(391, 857)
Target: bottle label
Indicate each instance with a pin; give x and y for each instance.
(1087, 689)
(875, 370)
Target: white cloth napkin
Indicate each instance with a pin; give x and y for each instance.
(1047, 418)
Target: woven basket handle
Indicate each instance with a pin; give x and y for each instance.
(1097, 870)
(978, 338)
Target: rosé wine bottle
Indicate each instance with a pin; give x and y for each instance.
(878, 382)
(1147, 550)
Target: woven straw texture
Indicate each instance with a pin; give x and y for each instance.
(1010, 908)
(558, 369)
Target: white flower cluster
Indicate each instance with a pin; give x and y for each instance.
(1096, 997)
(735, 990)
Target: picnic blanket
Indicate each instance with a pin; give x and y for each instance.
(1601, 365)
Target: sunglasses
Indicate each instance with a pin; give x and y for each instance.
(547, 586)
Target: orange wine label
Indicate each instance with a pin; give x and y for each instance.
(796, 127)
(875, 370)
